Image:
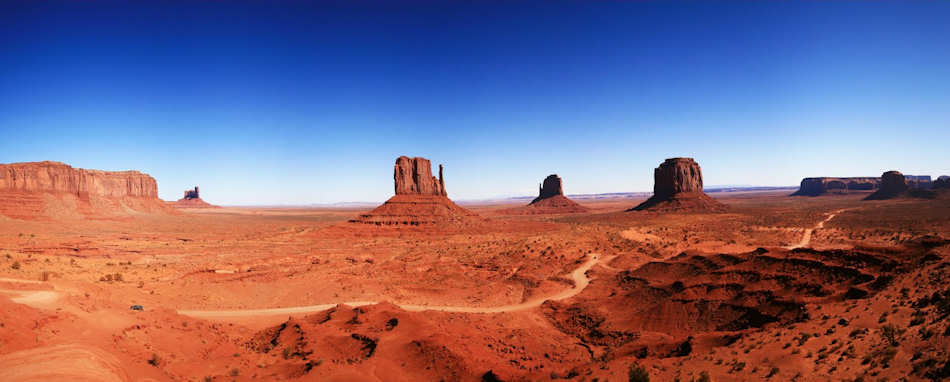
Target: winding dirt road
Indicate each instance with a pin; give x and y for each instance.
(806, 237)
(579, 276)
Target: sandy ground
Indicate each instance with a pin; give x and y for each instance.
(248, 294)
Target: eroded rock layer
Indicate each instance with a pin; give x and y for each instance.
(678, 186)
(420, 198)
(52, 189)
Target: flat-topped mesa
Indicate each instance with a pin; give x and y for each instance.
(413, 176)
(59, 177)
(420, 198)
(678, 186)
(833, 185)
(893, 184)
(56, 190)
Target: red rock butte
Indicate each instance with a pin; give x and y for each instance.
(678, 186)
(192, 199)
(420, 198)
(34, 190)
(550, 200)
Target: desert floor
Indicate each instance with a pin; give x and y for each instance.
(777, 288)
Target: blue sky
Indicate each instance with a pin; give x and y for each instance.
(296, 103)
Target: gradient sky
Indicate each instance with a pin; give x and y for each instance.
(311, 103)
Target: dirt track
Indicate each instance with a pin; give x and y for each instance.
(579, 276)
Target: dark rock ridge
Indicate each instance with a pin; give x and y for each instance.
(831, 185)
(420, 199)
(893, 184)
(919, 182)
(678, 186)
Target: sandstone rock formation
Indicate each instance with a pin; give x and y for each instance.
(678, 186)
(893, 184)
(831, 185)
(919, 182)
(56, 190)
(192, 199)
(420, 199)
(550, 200)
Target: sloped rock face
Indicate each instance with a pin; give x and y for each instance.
(830, 185)
(413, 176)
(420, 199)
(678, 186)
(893, 184)
(56, 190)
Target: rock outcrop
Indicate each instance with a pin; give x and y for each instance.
(830, 185)
(413, 176)
(893, 184)
(942, 182)
(420, 199)
(550, 200)
(192, 199)
(56, 190)
(678, 186)
(919, 182)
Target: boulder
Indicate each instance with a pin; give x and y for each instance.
(678, 186)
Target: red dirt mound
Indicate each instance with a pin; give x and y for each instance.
(53, 190)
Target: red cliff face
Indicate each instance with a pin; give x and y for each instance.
(60, 177)
(53, 190)
(413, 176)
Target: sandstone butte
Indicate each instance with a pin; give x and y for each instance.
(831, 185)
(39, 190)
(550, 200)
(420, 198)
(192, 199)
(678, 186)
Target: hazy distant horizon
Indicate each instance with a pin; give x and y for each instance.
(297, 103)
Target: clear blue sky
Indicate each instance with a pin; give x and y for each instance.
(302, 103)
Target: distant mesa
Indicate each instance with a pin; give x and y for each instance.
(192, 199)
(830, 185)
(841, 186)
(54, 190)
(896, 185)
(420, 198)
(942, 182)
(550, 200)
(678, 186)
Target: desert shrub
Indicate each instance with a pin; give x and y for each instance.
(703, 377)
(772, 372)
(155, 360)
(16, 265)
(891, 334)
(234, 372)
(637, 373)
